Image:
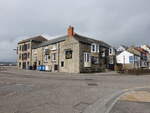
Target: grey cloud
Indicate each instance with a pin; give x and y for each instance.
(114, 21)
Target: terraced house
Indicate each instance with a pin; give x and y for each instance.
(69, 53)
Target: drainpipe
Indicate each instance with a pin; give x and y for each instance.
(58, 55)
(123, 62)
(134, 61)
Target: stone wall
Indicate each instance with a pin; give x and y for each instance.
(70, 65)
(94, 67)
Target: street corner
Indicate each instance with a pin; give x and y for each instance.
(133, 102)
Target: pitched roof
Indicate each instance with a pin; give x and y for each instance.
(76, 36)
(36, 38)
(142, 50)
(90, 40)
(134, 51)
(124, 46)
(52, 41)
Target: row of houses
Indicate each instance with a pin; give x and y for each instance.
(133, 57)
(75, 53)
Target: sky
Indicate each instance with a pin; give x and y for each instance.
(113, 21)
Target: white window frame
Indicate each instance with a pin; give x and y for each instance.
(46, 58)
(87, 57)
(110, 51)
(94, 47)
(53, 56)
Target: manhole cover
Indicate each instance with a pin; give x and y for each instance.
(92, 84)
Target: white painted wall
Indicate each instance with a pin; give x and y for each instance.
(123, 57)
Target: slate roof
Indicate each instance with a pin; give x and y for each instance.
(76, 36)
(124, 46)
(36, 38)
(134, 51)
(52, 41)
(90, 40)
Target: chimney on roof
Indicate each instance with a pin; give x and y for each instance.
(70, 31)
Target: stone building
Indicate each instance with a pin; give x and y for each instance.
(24, 51)
(71, 53)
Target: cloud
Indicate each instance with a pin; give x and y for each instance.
(114, 21)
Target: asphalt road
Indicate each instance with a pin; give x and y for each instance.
(24, 91)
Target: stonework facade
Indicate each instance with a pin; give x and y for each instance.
(24, 50)
(71, 53)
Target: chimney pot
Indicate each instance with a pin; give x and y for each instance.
(70, 31)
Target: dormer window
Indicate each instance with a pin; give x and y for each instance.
(94, 47)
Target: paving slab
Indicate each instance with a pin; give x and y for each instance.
(133, 102)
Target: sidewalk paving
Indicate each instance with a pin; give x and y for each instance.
(133, 102)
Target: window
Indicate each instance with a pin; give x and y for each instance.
(95, 60)
(131, 59)
(55, 67)
(28, 63)
(110, 50)
(53, 56)
(24, 56)
(20, 47)
(28, 55)
(49, 57)
(39, 62)
(46, 51)
(87, 57)
(111, 60)
(20, 56)
(68, 54)
(28, 46)
(103, 54)
(19, 64)
(94, 47)
(24, 47)
(62, 63)
(46, 58)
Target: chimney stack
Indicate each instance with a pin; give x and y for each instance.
(71, 31)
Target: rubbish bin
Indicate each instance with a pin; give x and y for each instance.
(42, 67)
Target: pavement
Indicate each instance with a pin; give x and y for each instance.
(24, 91)
(133, 102)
